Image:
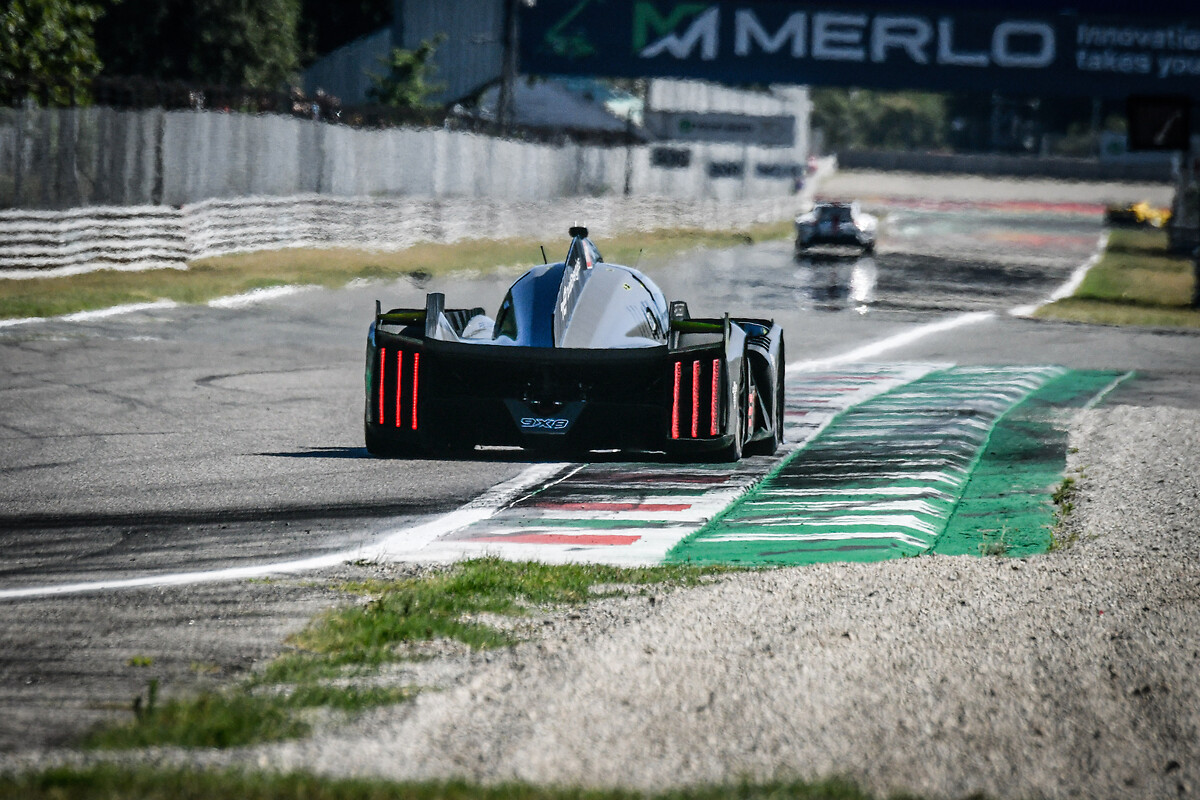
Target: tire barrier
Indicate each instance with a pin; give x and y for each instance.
(86, 239)
(54, 243)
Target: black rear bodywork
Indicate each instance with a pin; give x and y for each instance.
(712, 386)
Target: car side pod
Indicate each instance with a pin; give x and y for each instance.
(751, 381)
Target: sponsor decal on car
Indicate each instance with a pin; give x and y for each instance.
(545, 423)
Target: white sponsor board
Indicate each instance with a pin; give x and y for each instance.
(770, 131)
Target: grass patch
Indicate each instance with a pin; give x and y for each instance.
(235, 717)
(106, 782)
(994, 543)
(444, 605)
(1135, 282)
(1103, 312)
(223, 276)
(1064, 505)
(210, 720)
(353, 641)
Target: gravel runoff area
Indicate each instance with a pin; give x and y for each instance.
(1072, 674)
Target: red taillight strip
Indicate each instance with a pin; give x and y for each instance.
(675, 402)
(382, 371)
(695, 399)
(714, 398)
(416, 383)
(750, 413)
(399, 382)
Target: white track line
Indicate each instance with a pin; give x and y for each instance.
(116, 311)
(233, 301)
(257, 296)
(1068, 288)
(88, 316)
(892, 342)
(180, 578)
(1095, 401)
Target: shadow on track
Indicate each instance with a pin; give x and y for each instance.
(495, 455)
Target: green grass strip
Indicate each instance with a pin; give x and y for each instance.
(224, 276)
(235, 717)
(112, 782)
(1136, 281)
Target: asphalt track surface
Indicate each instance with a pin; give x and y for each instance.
(200, 438)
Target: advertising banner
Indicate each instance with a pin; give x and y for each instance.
(1010, 47)
(690, 126)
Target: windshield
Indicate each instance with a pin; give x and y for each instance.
(835, 213)
(506, 320)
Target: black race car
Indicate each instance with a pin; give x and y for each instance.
(582, 355)
(836, 224)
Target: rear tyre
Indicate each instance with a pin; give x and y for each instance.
(376, 446)
(768, 446)
(381, 447)
(780, 392)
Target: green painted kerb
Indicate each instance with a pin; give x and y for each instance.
(962, 461)
(1007, 507)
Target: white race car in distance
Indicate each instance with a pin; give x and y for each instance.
(836, 224)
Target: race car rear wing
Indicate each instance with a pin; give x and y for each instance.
(434, 312)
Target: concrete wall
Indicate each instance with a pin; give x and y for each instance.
(69, 158)
(76, 157)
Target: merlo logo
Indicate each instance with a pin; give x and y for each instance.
(702, 29)
(646, 16)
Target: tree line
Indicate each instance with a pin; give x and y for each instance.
(963, 121)
(254, 44)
